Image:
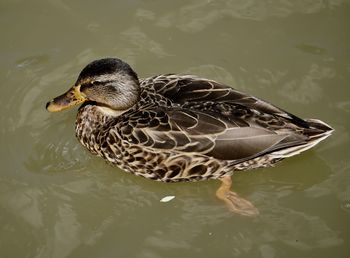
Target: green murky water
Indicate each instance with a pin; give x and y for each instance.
(56, 200)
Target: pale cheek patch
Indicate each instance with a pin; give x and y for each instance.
(111, 112)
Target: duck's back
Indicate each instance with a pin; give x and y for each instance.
(238, 126)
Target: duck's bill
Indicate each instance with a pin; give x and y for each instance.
(69, 99)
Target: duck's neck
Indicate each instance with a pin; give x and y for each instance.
(92, 123)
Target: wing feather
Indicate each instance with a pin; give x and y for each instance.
(186, 88)
(194, 131)
(210, 118)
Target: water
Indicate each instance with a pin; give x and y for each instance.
(56, 200)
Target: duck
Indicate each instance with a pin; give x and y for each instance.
(176, 128)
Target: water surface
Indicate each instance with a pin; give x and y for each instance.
(56, 200)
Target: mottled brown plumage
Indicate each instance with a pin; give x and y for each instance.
(180, 127)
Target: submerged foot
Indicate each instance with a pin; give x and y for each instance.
(240, 205)
(233, 201)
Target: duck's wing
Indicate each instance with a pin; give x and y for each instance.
(189, 89)
(192, 131)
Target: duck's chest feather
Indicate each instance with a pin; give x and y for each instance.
(106, 133)
(92, 128)
(113, 138)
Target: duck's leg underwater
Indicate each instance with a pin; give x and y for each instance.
(235, 203)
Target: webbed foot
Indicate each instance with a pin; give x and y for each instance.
(233, 201)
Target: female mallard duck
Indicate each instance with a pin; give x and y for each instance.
(175, 128)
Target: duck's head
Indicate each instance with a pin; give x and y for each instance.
(108, 82)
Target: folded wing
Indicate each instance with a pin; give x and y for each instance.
(207, 133)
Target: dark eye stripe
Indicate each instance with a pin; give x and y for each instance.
(102, 82)
(94, 83)
(85, 85)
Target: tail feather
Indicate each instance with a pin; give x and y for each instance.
(320, 125)
(317, 132)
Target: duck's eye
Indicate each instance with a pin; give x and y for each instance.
(86, 85)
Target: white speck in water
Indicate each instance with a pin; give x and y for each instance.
(167, 198)
(346, 206)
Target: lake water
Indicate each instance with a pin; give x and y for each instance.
(57, 200)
